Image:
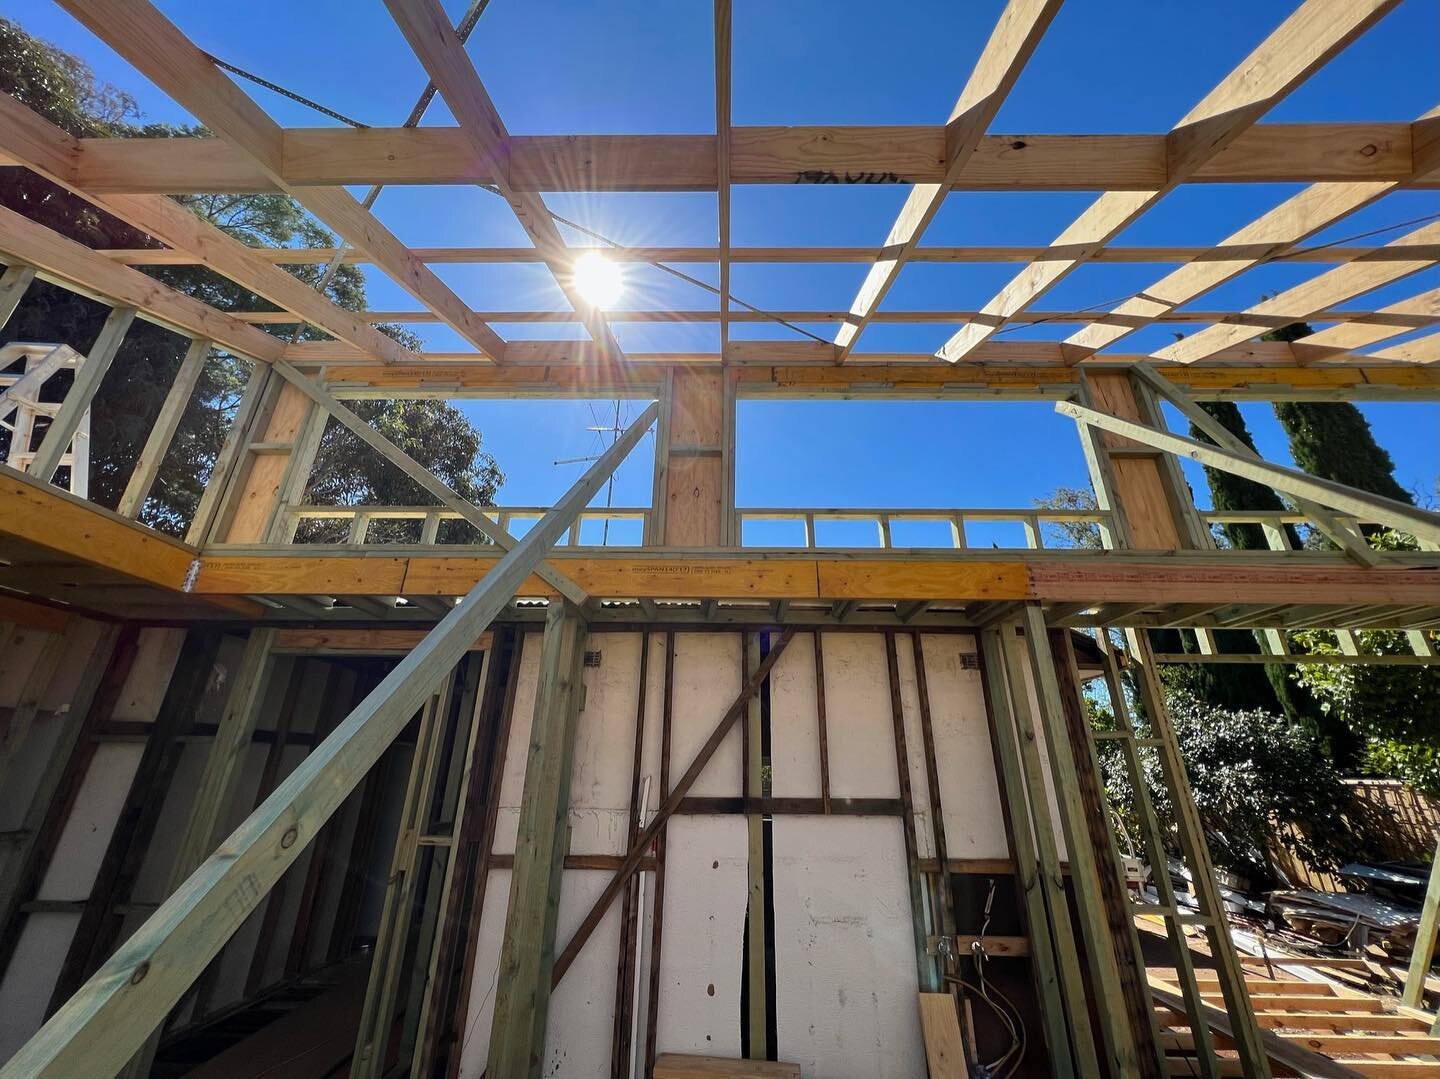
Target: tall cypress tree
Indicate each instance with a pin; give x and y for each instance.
(1232, 493)
(1333, 440)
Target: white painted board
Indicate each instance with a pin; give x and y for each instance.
(846, 983)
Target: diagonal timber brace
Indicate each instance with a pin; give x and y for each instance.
(1339, 496)
(1344, 537)
(98, 1029)
(424, 477)
(677, 794)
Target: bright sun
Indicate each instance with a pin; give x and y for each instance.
(597, 279)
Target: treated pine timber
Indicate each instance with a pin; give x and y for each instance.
(1338, 496)
(1265, 372)
(527, 954)
(1394, 319)
(1303, 43)
(1016, 34)
(377, 1016)
(1424, 953)
(1113, 892)
(790, 154)
(422, 475)
(13, 285)
(1020, 840)
(1123, 1052)
(96, 1031)
(1215, 578)
(724, 57)
(162, 430)
(88, 375)
(1239, 1011)
(682, 1066)
(1347, 539)
(1153, 840)
(159, 50)
(1273, 233)
(1302, 1060)
(1018, 743)
(306, 256)
(1381, 325)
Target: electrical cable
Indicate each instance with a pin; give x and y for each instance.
(1010, 1016)
(467, 23)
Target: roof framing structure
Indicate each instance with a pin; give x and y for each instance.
(1347, 166)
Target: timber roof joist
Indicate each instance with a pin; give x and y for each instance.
(1348, 165)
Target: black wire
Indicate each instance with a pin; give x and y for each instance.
(468, 24)
(1279, 257)
(463, 31)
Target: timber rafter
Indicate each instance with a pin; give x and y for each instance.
(1348, 165)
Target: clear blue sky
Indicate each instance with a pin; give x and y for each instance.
(631, 66)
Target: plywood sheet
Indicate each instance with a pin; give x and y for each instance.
(844, 950)
(704, 936)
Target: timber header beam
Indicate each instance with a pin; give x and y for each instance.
(840, 154)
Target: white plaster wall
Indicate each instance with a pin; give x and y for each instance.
(794, 722)
(706, 682)
(484, 976)
(861, 732)
(843, 920)
(965, 765)
(25, 990)
(844, 951)
(703, 936)
(605, 747)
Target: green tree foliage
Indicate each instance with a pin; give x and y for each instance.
(1258, 779)
(1083, 534)
(63, 89)
(1333, 440)
(1230, 493)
